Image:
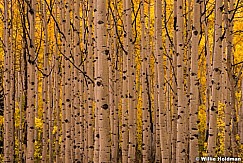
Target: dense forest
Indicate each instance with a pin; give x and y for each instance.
(121, 81)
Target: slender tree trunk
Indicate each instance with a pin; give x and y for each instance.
(144, 83)
(115, 61)
(227, 150)
(90, 95)
(158, 34)
(97, 137)
(180, 148)
(102, 98)
(31, 84)
(7, 110)
(174, 86)
(215, 80)
(194, 88)
(125, 133)
(168, 99)
(68, 105)
(57, 84)
(45, 89)
(232, 81)
(187, 84)
(63, 48)
(77, 80)
(208, 68)
(131, 85)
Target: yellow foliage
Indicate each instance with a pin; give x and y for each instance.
(221, 129)
(38, 123)
(54, 130)
(1, 120)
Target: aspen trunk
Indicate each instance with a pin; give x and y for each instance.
(68, 105)
(215, 80)
(45, 90)
(131, 85)
(158, 34)
(102, 98)
(90, 92)
(194, 89)
(31, 85)
(174, 86)
(228, 110)
(180, 148)
(125, 93)
(7, 110)
(77, 81)
(144, 83)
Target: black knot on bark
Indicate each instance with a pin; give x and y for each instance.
(195, 32)
(105, 106)
(106, 52)
(100, 22)
(98, 83)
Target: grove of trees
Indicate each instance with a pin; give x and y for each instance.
(120, 81)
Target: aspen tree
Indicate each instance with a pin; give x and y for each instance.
(63, 48)
(115, 130)
(215, 79)
(72, 69)
(45, 89)
(161, 94)
(180, 148)
(12, 85)
(7, 111)
(90, 93)
(168, 100)
(83, 102)
(144, 82)
(50, 115)
(20, 100)
(227, 87)
(158, 33)
(36, 100)
(232, 81)
(194, 94)
(96, 134)
(56, 90)
(85, 88)
(149, 80)
(111, 75)
(82, 113)
(23, 73)
(187, 62)
(125, 133)
(164, 101)
(174, 85)
(208, 64)
(37, 95)
(131, 84)
(31, 83)
(68, 106)
(102, 98)
(112, 91)
(76, 93)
